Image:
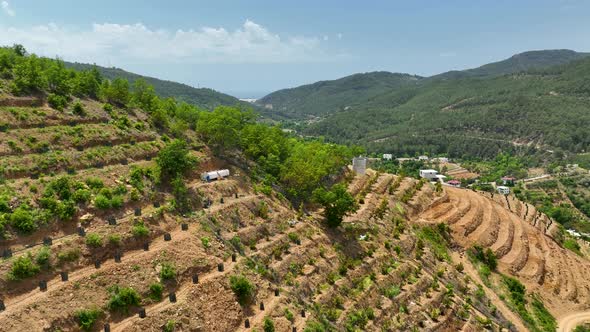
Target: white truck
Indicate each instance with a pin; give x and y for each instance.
(215, 175)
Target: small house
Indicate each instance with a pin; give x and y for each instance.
(429, 174)
(503, 190)
(423, 158)
(215, 175)
(387, 156)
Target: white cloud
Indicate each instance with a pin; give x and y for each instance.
(133, 43)
(326, 38)
(7, 9)
(339, 36)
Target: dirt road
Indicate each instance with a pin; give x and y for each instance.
(569, 322)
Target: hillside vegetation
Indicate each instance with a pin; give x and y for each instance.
(104, 220)
(326, 97)
(525, 111)
(201, 97)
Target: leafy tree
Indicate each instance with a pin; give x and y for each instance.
(222, 126)
(144, 96)
(337, 203)
(58, 78)
(28, 76)
(116, 92)
(174, 159)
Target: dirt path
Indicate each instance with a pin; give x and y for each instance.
(569, 322)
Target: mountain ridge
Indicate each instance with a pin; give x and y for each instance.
(299, 102)
(203, 97)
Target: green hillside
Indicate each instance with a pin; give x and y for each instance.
(351, 93)
(538, 110)
(202, 97)
(519, 62)
(327, 97)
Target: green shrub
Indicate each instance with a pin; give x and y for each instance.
(140, 230)
(168, 272)
(102, 202)
(169, 326)
(289, 315)
(107, 108)
(22, 219)
(23, 267)
(242, 287)
(268, 325)
(116, 202)
(57, 102)
(392, 291)
(206, 241)
(87, 318)
(293, 237)
(94, 183)
(156, 291)
(43, 257)
(79, 109)
(81, 196)
(69, 255)
(93, 240)
(123, 298)
(115, 239)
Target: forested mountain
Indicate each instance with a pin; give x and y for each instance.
(540, 109)
(519, 62)
(478, 113)
(350, 93)
(325, 97)
(202, 97)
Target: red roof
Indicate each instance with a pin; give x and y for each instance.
(508, 178)
(454, 182)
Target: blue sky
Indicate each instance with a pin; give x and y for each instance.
(250, 48)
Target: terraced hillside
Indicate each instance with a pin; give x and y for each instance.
(523, 241)
(125, 244)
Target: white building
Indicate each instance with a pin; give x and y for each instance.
(429, 174)
(387, 156)
(423, 158)
(503, 190)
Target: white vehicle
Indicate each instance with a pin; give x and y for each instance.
(215, 175)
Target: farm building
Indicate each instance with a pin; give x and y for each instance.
(423, 158)
(387, 156)
(503, 190)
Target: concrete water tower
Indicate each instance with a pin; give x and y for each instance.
(359, 165)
